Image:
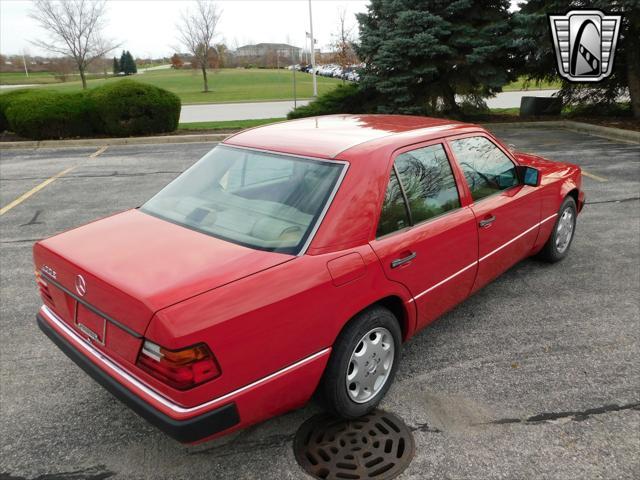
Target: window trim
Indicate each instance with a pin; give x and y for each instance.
(442, 141)
(403, 192)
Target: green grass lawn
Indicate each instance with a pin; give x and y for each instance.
(225, 85)
(19, 78)
(40, 78)
(521, 84)
(229, 124)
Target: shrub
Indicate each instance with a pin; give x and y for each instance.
(601, 110)
(127, 108)
(349, 98)
(5, 101)
(43, 114)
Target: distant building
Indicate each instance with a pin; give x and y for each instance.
(262, 49)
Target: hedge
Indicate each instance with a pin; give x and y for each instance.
(122, 108)
(349, 98)
(128, 108)
(5, 100)
(41, 115)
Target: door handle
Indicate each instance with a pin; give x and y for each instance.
(401, 261)
(487, 221)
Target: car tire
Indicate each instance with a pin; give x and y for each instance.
(362, 364)
(557, 247)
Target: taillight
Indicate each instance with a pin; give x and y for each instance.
(180, 369)
(44, 288)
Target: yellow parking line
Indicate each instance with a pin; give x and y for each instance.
(33, 191)
(37, 188)
(594, 177)
(100, 151)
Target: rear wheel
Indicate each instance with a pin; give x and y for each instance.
(557, 247)
(362, 364)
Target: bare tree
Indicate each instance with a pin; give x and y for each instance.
(75, 30)
(197, 30)
(343, 43)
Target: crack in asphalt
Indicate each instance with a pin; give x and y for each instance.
(20, 240)
(576, 416)
(424, 427)
(629, 199)
(34, 219)
(99, 472)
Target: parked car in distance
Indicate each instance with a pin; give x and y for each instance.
(293, 258)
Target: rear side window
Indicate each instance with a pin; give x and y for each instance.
(486, 168)
(394, 214)
(428, 182)
(421, 186)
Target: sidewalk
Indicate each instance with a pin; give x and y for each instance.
(236, 111)
(246, 111)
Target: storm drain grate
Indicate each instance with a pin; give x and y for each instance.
(377, 446)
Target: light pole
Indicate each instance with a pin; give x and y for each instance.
(295, 95)
(313, 53)
(24, 62)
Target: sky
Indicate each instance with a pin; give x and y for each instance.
(147, 27)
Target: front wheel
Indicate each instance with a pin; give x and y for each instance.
(557, 247)
(362, 364)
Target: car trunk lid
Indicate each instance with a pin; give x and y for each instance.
(132, 265)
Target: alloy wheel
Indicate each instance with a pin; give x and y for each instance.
(564, 230)
(370, 365)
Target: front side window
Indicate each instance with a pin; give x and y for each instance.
(261, 200)
(421, 186)
(486, 168)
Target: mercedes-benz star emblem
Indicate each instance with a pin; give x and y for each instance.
(81, 285)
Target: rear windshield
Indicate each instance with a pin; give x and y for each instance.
(261, 200)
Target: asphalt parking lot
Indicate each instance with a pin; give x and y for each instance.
(536, 376)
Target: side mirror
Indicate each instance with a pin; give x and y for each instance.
(529, 176)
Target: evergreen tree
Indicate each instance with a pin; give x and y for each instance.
(127, 63)
(535, 47)
(132, 63)
(123, 62)
(116, 66)
(420, 54)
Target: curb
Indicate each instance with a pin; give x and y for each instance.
(580, 127)
(101, 142)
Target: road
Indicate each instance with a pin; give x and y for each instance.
(535, 376)
(246, 111)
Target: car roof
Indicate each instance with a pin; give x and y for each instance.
(328, 136)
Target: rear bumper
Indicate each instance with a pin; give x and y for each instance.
(266, 397)
(188, 430)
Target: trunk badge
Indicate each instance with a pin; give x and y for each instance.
(81, 285)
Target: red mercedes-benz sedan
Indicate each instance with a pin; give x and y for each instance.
(296, 257)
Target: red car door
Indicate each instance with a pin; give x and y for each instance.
(507, 212)
(426, 238)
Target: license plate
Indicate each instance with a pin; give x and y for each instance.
(92, 325)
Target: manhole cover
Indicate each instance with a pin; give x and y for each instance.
(376, 446)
